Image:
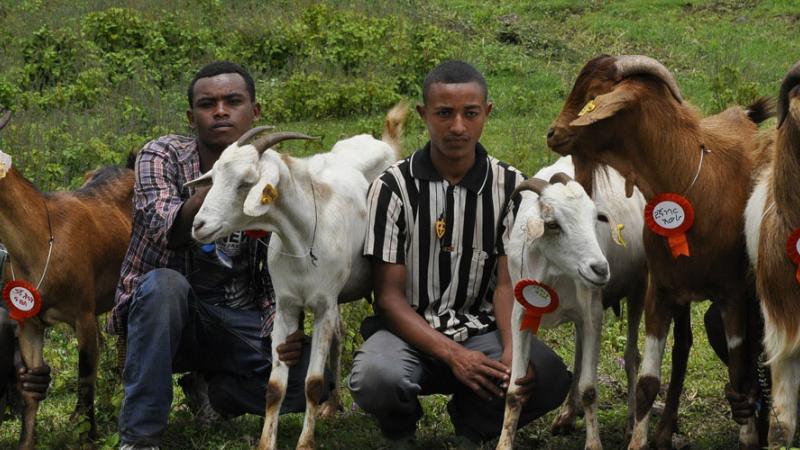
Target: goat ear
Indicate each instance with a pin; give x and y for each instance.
(203, 180)
(534, 228)
(605, 106)
(259, 199)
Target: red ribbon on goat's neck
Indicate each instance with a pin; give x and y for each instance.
(538, 299)
(22, 299)
(256, 234)
(670, 215)
(793, 249)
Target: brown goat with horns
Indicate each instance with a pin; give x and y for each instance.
(628, 112)
(772, 218)
(89, 230)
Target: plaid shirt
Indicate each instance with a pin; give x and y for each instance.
(163, 166)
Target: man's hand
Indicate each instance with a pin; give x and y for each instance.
(741, 408)
(480, 373)
(525, 382)
(292, 349)
(34, 382)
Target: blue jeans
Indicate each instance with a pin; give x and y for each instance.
(170, 331)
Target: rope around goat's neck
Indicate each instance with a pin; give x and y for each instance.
(703, 151)
(310, 251)
(49, 251)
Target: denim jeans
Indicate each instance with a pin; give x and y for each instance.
(170, 331)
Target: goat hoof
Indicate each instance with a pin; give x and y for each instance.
(562, 425)
(329, 409)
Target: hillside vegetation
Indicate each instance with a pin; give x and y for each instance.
(90, 81)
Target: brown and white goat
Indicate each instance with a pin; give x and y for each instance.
(90, 229)
(628, 112)
(773, 213)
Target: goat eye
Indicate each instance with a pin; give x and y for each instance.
(602, 218)
(552, 226)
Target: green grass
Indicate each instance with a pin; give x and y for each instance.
(721, 52)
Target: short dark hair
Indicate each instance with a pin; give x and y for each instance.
(218, 68)
(452, 72)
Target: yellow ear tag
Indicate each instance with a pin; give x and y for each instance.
(588, 107)
(617, 235)
(440, 228)
(269, 194)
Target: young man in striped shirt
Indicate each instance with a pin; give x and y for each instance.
(438, 224)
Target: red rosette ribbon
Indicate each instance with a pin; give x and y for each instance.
(793, 249)
(22, 299)
(670, 215)
(256, 234)
(538, 299)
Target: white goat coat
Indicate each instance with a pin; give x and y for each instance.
(318, 221)
(580, 303)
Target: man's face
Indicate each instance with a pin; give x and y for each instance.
(455, 114)
(222, 110)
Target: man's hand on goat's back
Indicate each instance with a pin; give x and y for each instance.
(291, 350)
(34, 382)
(480, 373)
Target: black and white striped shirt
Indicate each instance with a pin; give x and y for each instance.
(450, 280)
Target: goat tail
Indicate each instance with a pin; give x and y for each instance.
(761, 109)
(780, 343)
(393, 127)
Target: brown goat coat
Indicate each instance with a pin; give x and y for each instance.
(91, 229)
(640, 129)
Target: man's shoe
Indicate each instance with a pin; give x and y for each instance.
(195, 389)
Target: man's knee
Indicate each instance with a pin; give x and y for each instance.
(160, 292)
(553, 379)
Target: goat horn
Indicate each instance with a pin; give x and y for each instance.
(791, 80)
(533, 184)
(263, 143)
(4, 120)
(253, 132)
(560, 177)
(629, 65)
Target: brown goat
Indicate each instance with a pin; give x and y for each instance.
(628, 112)
(90, 229)
(773, 214)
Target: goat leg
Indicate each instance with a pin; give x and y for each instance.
(326, 323)
(632, 356)
(334, 402)
(587, 385)
(285, 324)
(657, 318)
(520, 357)
(682, 336)
(88, 351)
(564, 422)
(31, 342)
(741, 363)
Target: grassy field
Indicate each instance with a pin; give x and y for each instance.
(88, 84)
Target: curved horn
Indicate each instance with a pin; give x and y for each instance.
(533, 184)
(263, 143)
(791, 80)
(6, 117)
(560, 177)
(253, 132)
(629, 65)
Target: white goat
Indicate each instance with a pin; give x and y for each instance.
(317, 211)
(555, 240)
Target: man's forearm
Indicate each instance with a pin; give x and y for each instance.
(414, 329)
(181, 232)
